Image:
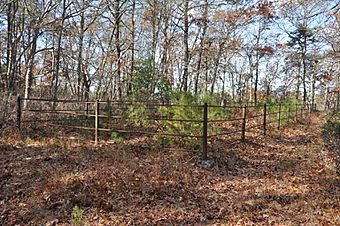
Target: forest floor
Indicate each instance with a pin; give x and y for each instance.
(288, 178)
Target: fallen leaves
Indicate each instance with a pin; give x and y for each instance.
(279, 180)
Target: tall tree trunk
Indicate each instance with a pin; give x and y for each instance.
(304, 68)
(205, 27)
(166, 59)
(80, 70)
(154, 40)
(206, 72)
(10, 22)
(313, 91)
(304, 80)
(223, 84)
(117, 16)
(232, 78)
(12, 8)
(185, 47)
(132, 66)
(250, 59)
(30, 65)
(257, 62)
(154, 33)
(55, 73)
(216, 66)
(256, 81)
(297, 94)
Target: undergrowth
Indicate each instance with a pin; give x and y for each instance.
(186, 106)
(331, 135)
(331, 129)
(77, 217)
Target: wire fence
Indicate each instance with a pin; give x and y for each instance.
(207, 121)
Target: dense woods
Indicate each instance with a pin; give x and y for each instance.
(130, 49)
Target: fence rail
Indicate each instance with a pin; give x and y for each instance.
(251, 117)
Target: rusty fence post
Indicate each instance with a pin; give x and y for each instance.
(224, 103)
(296, 112)
(265, 119)
(109, 114)
(306, 109)
(87, 108)
(205, 131)
(244, 123)
(279, 117)
(96, 123)
(19, 112)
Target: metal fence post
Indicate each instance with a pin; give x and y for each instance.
(244, 122)
(19, 112)
(279, 117)
(224, 103)
(87, 108)
(265, 119)
(96, 122)
(205, 131)
(306, 109)
(109, 113)
(296, 112)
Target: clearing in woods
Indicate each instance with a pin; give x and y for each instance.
(286, 179)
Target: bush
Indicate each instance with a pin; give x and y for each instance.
(139, 114)
(193, 112)
(331, 135)
(286, 105)
(331, 129)
(178, 113)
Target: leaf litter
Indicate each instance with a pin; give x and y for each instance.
(287, 178)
